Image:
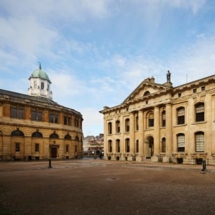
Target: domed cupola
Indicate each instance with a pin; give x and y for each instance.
(40, 84)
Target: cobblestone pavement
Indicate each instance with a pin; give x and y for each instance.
(93, 186)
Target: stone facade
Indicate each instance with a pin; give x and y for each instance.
(163, 123)
(35, 127)
(93, 144)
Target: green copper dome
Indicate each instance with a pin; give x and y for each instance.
(39, 73)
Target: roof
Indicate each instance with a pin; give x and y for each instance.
(24, 99)
(39, 73)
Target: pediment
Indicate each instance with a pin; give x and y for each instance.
(147, 88)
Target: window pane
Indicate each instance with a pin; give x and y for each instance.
(180, 120)
(181, 141)
(37, 147)
(51, 118)
(20, 114)
(13, 112)
(200, 142)
(39, 116)
(65, 120)
(17, 147)
(151, 122)
(200, 117)
(33, 115)
(56, 119)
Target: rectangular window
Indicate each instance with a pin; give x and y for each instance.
(17, 113)
(67, 148)
(203, 88)
(20, 113)
(17, 147)
(39, 116)
(53, 118)
(180, 120)
(36, 116)
(118, 129)
(118, 146)
(151, 122)
(181, 143)
(13, 112)
(181, 116)
(37, 147)
(67, 120)
(200, 143)
(200, 113)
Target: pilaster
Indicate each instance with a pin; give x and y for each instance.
(155, 157)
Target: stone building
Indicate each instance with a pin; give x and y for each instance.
(93, 144)
(34, 127)
(163, 123)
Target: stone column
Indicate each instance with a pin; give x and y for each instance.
(105, 138)
(132, 142)
(156, 135)
(122, 141)
(169, 142)
(141, 141)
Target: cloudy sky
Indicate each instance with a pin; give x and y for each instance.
(97, 51)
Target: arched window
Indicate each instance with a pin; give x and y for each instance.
(117, 145)
(151, 120)
(76, 138)
(17, 133)
(127, 145)
(180, 115)
(37, 134)
(147, 93)
(67, 137)
(42, 85)
(163, 144)
(199, 139)
(110, 145)
(181, 142)
(110, 128)
(54, 136)
(117, 126)
(163, 118)
(200, 112)
(127, 125)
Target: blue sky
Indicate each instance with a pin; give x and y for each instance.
(97, 51)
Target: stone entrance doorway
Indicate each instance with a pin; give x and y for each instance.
(149, 147)
(53, 151)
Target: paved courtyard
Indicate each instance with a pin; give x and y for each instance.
(89, 186)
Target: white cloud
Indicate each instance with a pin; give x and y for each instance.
(196, 61)
(93, 121)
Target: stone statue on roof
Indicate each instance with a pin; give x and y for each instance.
(168, 76)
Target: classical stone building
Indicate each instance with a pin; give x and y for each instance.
(36, 127)
(93, 144)
(163, 123)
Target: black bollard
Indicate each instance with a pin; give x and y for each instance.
(203, 165)
(50, 163)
